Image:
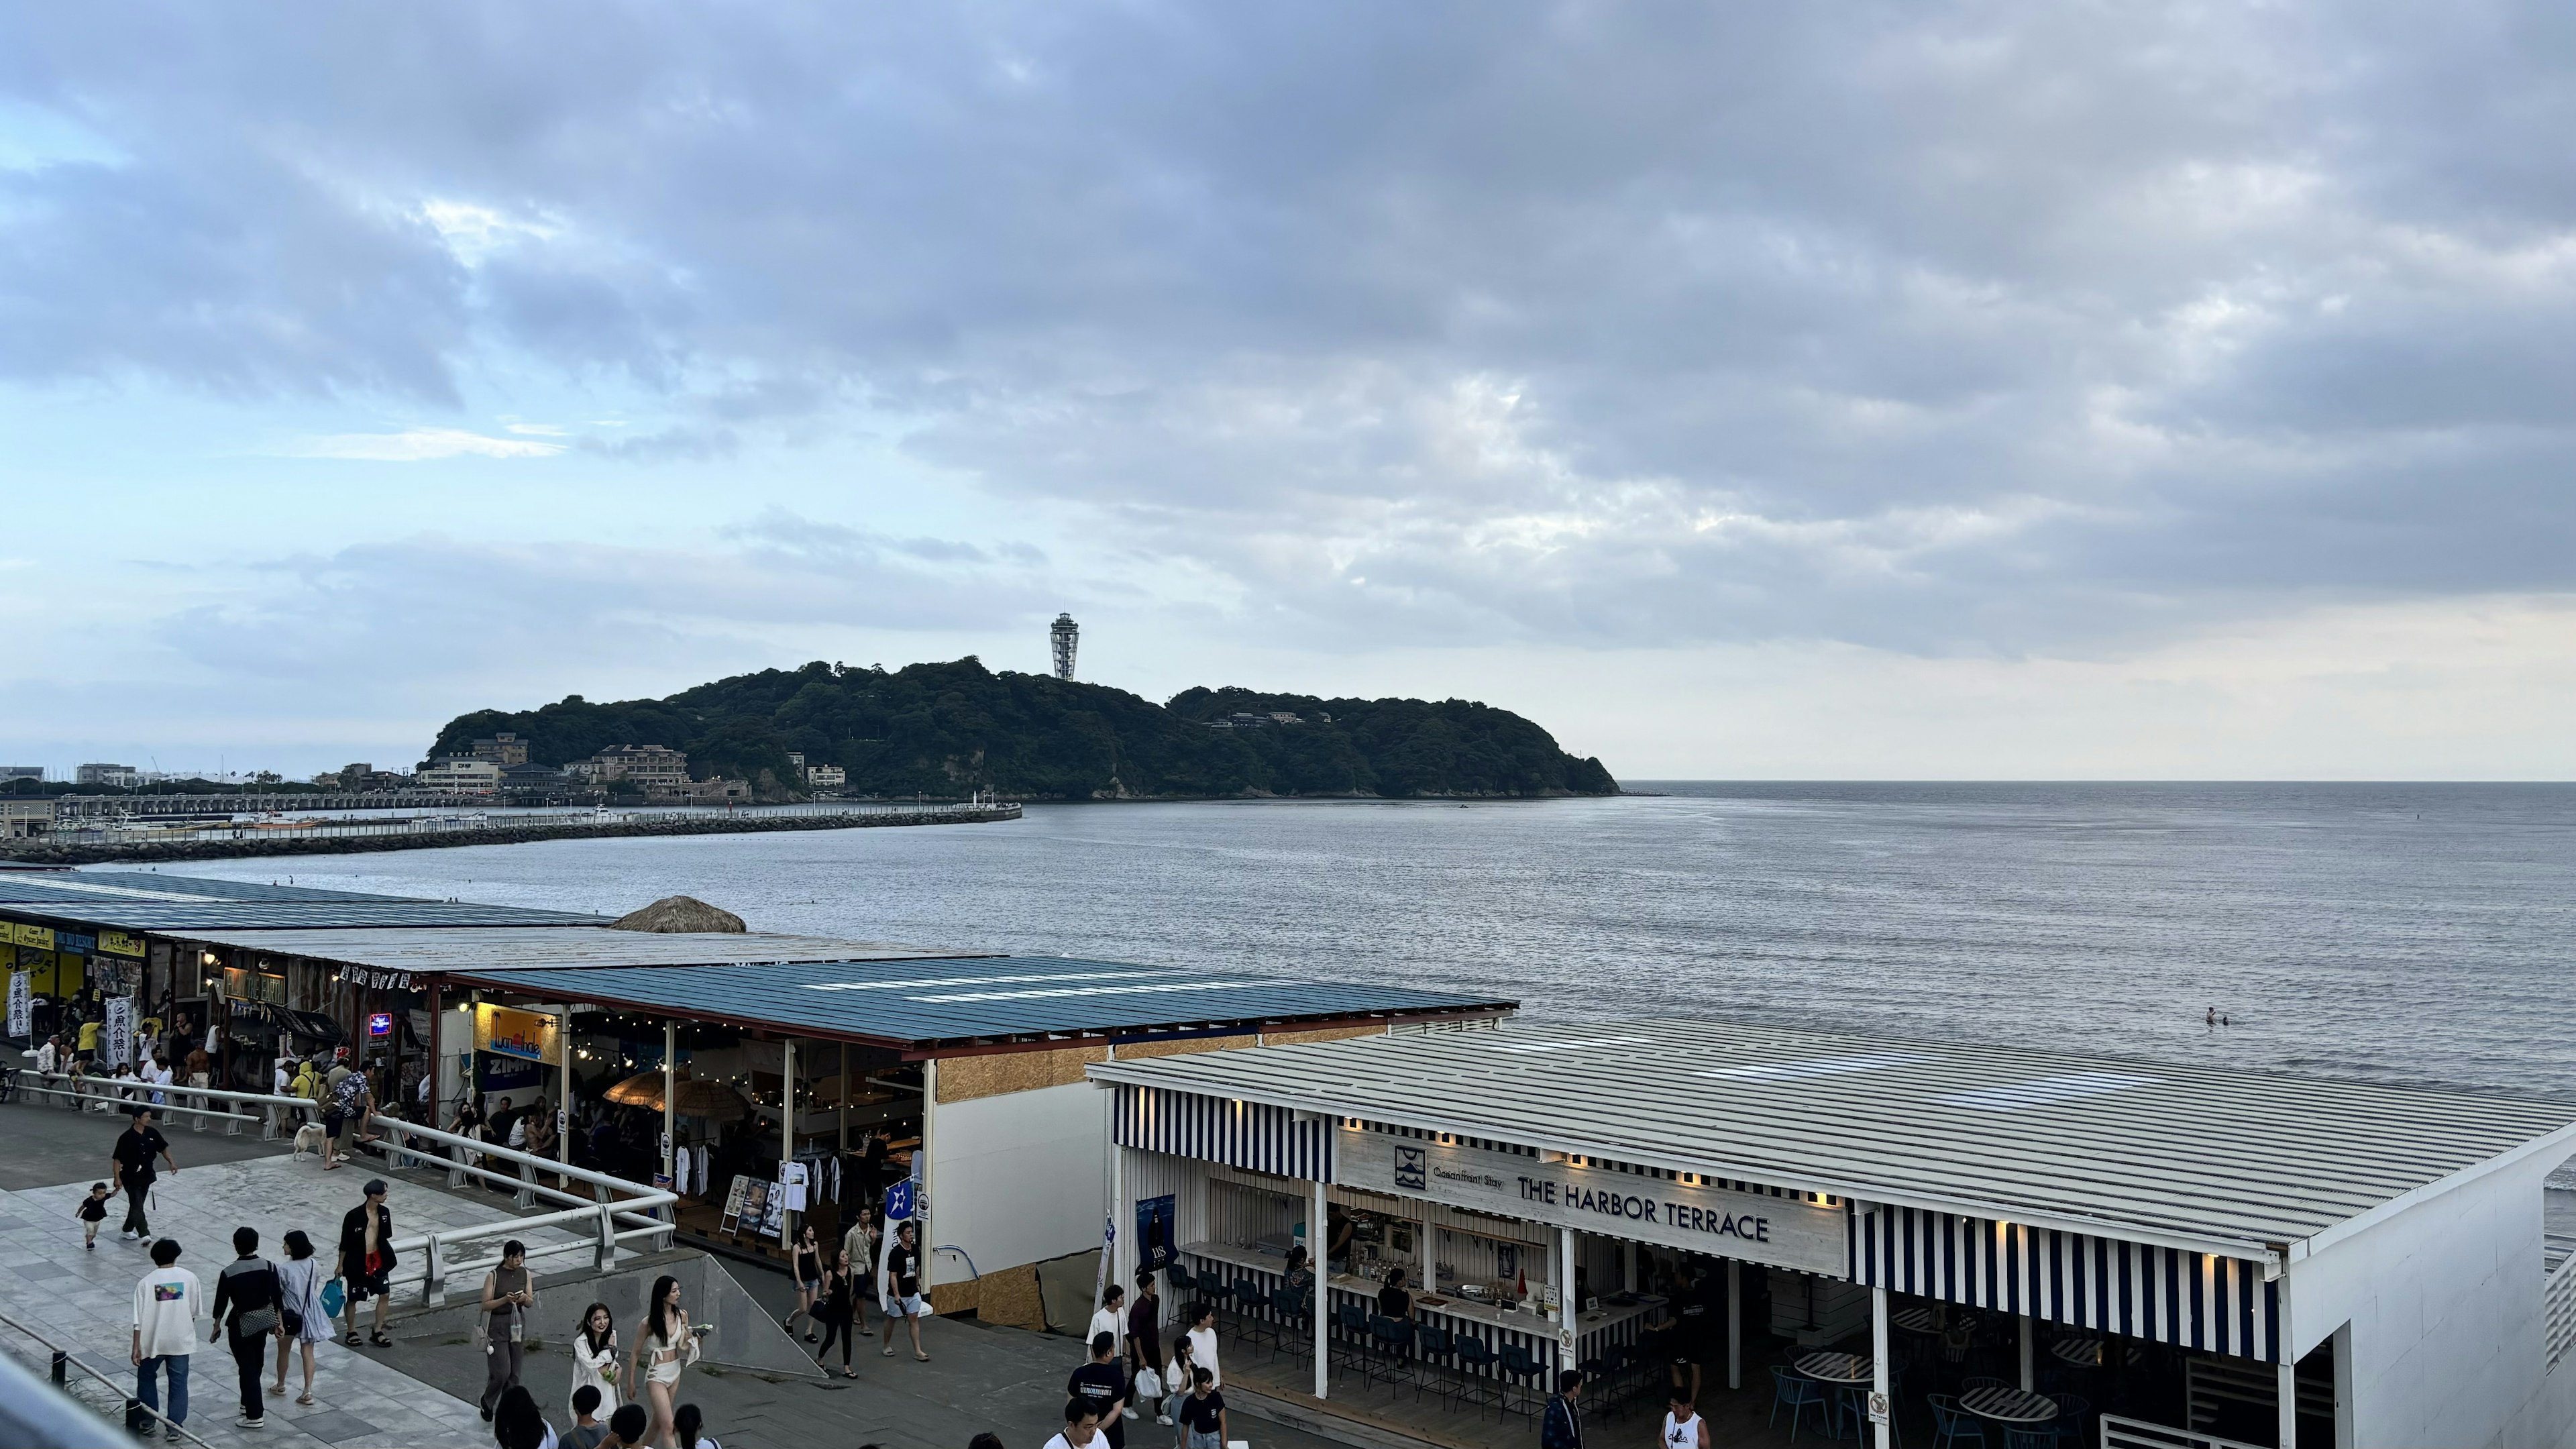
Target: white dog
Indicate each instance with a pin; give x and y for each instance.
(309, 1137)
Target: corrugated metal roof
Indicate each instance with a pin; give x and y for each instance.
(557, 948)
(949, 1002)
(149, 901)
(2180, 1154)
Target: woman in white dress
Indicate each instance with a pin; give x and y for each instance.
(299, 1282)
(594, 1359)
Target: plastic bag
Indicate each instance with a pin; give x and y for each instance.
(335, 1296)
(1149, 1384)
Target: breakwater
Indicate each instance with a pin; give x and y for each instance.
(234, 843)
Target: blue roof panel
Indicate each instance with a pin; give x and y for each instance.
(148, 901)
(930, 1002)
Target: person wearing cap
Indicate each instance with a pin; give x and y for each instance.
(367, 1259)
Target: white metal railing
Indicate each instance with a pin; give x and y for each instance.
(2559, 1309)
(130, 1092)
(62, 1360)
(2119, 1433)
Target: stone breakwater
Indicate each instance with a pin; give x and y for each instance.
(508, 833)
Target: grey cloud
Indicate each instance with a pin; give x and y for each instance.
(1938, 327)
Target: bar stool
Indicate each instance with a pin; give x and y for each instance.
(1294, 1314)
(1249, 1301)
(1352, 1320)
(1476, 1364)
(1391, 1349)
(1518, 1368)
(1432, 1347)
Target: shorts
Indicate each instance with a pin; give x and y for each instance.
(332, 1122)
(913, 1305)
(810, 1285)
(363, 1286)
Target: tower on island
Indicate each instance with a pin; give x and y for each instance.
(1065, 635)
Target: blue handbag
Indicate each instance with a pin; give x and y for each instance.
(334, 1298)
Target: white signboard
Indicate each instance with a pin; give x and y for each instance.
(21, 1004)
(1749, 1227)
(116, 1032)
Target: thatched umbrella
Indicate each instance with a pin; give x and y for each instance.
(697, 1099)
(679, 915)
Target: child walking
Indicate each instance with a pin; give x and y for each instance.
(91, 1212)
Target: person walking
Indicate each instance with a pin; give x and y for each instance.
(664, 1345)
(588, 1431)
(1203, 1341)
(1101, 1385)
(1178, 1375)
(167, 1304)
(1111, 1316)
(805, 1266)
(516, 1424)
(302, 1320)
(1683, 1427)
(686, 1431)
(1145, 1338)
(1081, 1426)
(1563, 1426)
(247, 1297)
(903, 1288)
(836, 1311)
(135, 1148)
(509, 1291)
(1202, 1414)
(860, 1244)
(594, 1359)
(344, 1094)
(92, 1211)
(367, 1259)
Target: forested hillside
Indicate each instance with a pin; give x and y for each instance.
(942, 729)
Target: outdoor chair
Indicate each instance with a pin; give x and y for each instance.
(1476, 1377)
(1293, 1314)
(2030, 1438)
(1520, 1371)
(2072, 1411)
(1178, 1275)
(1351, 1344)
(1432, 1347)
(1250, 1322)
(1390, 1350)
(1952, 1425)
(1792, 1391)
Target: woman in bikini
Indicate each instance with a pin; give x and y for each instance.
(664, 1345)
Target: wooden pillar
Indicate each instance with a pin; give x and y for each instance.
(1318, 1236)
(1734, 1324)
(1883, 1427)
(671, 1104)
(787, 1131)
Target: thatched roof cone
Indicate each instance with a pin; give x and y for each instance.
(675, 915)
(697, 1098)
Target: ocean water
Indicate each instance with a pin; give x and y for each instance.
(2415, 934)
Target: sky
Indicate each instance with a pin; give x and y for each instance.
(1829, 391)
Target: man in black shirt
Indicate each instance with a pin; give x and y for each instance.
(903, 1285)
(135, 1148)
(247, 1314)
(1102, 1384)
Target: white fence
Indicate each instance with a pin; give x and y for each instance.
(2119, 1433)
(2559, 1303)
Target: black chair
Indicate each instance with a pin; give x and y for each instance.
(1478, 1380)
(1522, 1372)
(1351, 1344)
(1433, 1347)
(1177, 1273)
(1251, 1319)
(1390, 1357)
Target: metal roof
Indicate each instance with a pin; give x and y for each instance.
(150, 901)
(2185, 1156)
(921, 1004)
(557, 948)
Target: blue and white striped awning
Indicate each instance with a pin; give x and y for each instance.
(2192, 1300)
(1215, 1129)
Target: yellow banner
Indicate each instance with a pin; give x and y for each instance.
(40, 937)
(527, 1035)
(117, 943)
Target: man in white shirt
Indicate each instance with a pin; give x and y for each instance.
(1081, 1427)
(1111, 1318)
(167, 1305)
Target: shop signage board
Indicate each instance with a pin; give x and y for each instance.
(116, 1031)
(40, 937)
(1749, 1227)
(529, 1036)
(22, 1004)
(117, 943)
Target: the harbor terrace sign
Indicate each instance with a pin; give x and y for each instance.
(1751, 1227)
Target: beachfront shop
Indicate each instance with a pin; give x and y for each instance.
(61, 978)
(1834, 1235)
(948, 1089)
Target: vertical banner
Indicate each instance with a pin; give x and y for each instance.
(22, 1004)
(1154, 1216)
(116, 1032)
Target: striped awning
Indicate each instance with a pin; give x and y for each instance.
(1215, 1129)
(2167, 1295)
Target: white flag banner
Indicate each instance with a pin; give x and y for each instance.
(116, 1032)
(22, 1004)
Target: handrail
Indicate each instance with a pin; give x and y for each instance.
(2120, 1433)
(65, 1359)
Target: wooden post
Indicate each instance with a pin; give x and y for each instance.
(1318, 1235)
(1883, 1429)
(1734, 1324)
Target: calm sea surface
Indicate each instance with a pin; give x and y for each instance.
(2402, 933)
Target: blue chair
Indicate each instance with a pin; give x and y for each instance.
(1293, 1313)
(1952, 1425)
(1216, 1293)
(1352, 1343)
(1520, 1371)
(1391, 1349)
(2072, 1411)
(1249, 1301)
(1432, 1347)
(1178, 1275)
(1797, 1393)
(1476, 1371)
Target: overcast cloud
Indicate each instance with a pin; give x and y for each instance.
(1974, 331)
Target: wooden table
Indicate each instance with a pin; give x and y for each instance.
(1840, 1368)
(2008, 1406)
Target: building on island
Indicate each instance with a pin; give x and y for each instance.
(460, 775)
(655, 769)
(504, 749)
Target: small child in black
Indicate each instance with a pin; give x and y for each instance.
(92, 1211)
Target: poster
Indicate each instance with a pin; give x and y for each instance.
(116, 1032)
(1154, 1216)
(738, 1195)
(527, 1036)
(22, 1004)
